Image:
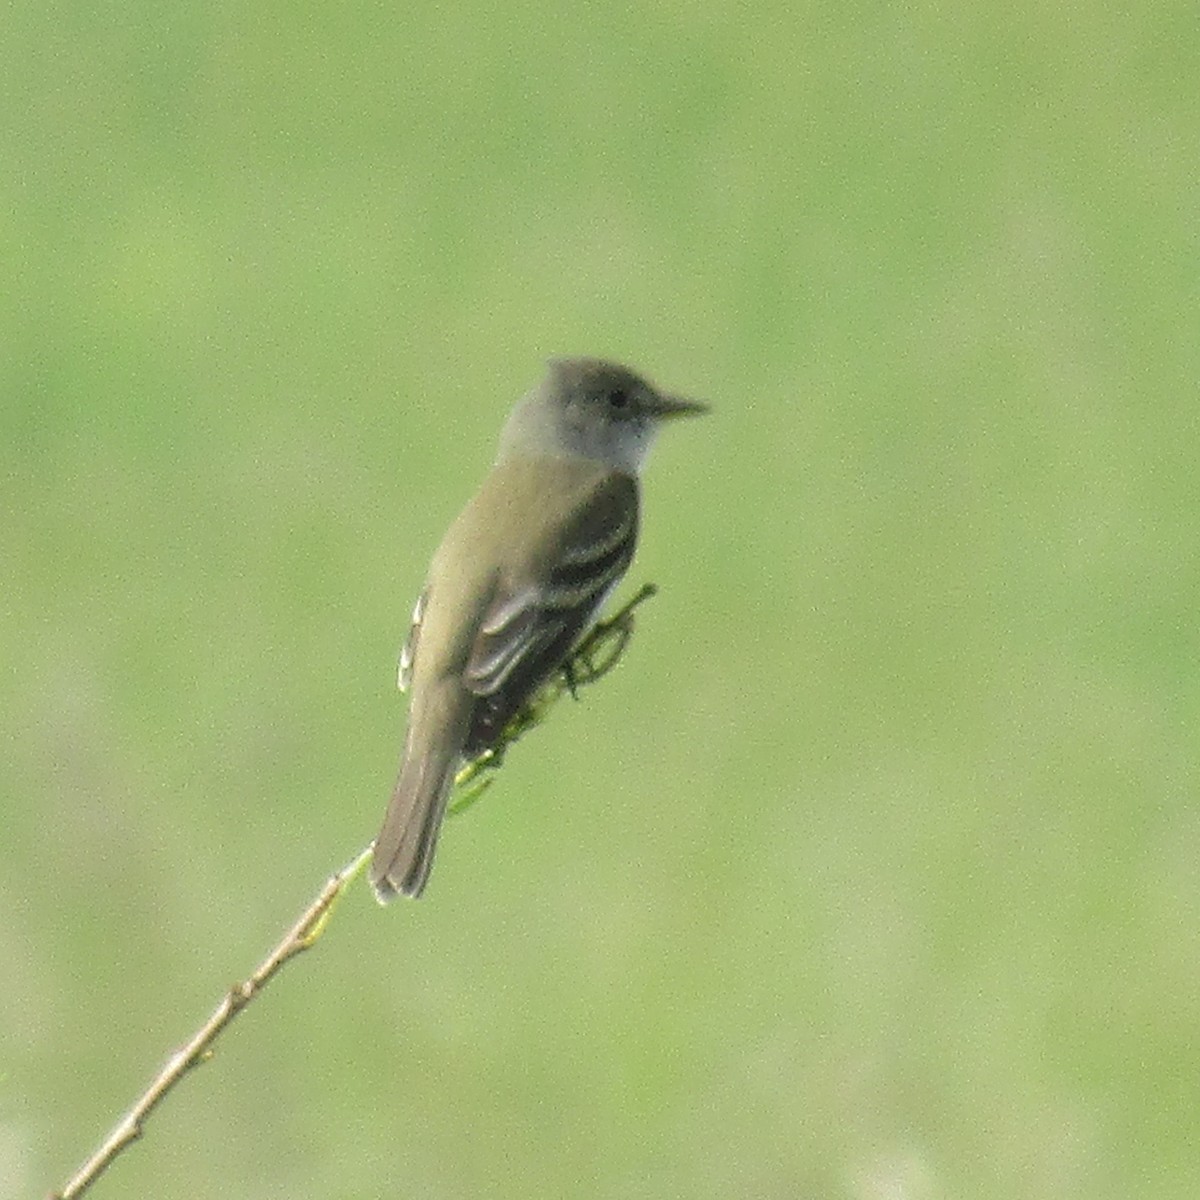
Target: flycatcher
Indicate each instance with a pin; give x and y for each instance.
(518, 579)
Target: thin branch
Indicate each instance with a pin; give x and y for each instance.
(595, 656)
(299, 938)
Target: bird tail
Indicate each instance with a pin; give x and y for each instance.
(404, 848)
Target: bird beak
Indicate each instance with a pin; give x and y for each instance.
(667, 408)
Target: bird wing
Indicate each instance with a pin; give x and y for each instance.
(409, 652)
(530, 625)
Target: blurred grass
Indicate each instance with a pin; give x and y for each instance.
(872, 871)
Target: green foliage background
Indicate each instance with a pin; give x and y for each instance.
(872, 871)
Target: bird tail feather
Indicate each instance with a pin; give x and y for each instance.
(403, 855)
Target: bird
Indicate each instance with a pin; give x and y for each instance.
(519, 578)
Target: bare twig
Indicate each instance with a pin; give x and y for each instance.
(595, 656)
(299, 938)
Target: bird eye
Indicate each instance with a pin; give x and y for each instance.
(618, 398)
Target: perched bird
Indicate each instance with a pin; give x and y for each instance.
(518, 579)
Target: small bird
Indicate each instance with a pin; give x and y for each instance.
(518, 580)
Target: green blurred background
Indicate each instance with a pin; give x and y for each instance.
(872, 872)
